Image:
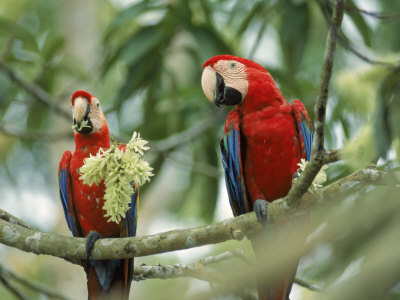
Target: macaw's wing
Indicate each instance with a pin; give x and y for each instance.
(232, 163)
(64, 180)
(304, 127)
(131, 215)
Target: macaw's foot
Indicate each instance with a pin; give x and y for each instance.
(260, 208)
(91, 238)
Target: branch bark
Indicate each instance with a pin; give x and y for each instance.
(236, 228)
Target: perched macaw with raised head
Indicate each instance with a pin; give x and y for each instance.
(83, 204)
(264, 139)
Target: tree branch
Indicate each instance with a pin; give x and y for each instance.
(12, 219)
(40, 288)
(35, 135)
(301, 186)
(183, 137)
(231, 229)
(35, 90)
(196, 270)
(12, 289)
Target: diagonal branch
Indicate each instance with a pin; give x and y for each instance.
(237, 228)
(183, 137)
(196, 270)
(35, 135)
(11, 288)
(307, 177)
(40, 288)
(35, 90)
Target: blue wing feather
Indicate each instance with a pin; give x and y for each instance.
(308, 138)
(64, 182)
(304, 127)
(231, 162)
(131, 215)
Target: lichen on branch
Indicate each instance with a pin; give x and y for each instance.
(120, 168)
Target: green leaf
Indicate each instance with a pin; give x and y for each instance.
(205, 35)
(142, 44)
(294, 30)
(387, 121)
(360, 22)
(248, 18)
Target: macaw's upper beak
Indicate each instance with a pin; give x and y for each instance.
(81, 112)
(216, 91)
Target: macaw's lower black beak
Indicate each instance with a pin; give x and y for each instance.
(84, 126)
(224, 94)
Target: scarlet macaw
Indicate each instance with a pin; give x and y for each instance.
(83, 204)
(264, 139)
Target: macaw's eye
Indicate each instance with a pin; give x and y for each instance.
(233, 65)
(98, 104)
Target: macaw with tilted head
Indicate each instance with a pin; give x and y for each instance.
(83, 204)
(264, 139)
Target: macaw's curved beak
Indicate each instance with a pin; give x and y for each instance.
(216, 91)
(81, 111)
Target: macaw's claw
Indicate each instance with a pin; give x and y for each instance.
(260, 208)
(91, 238)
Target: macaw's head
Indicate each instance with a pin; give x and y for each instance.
(87, 113)
(230, 80)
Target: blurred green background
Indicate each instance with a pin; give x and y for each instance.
(143, 60)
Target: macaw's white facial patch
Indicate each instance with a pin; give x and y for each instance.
(234, 75)
(209, 83)
(96, 115)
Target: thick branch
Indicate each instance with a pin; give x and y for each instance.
(236, 228)
(35, 90)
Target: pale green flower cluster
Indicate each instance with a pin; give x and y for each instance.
(318, 180)
(118, 169)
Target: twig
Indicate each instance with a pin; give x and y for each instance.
(332, 156)
(308, 285)
(346, 44)
(12, 219)
(35, 135)
(12, 289)
(32, 285)
(183, 137)
(231, 229)
(35, 90)
(378, 15)
(197, 167)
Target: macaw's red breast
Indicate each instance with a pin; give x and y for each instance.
(272, 151)
(88, 200)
